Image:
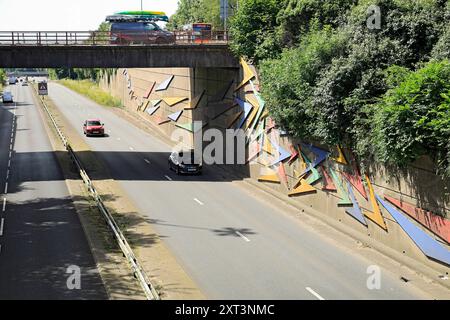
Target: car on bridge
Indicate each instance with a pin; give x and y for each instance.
(185, 162)
(7, 97)
(93, 127)
(139, 28)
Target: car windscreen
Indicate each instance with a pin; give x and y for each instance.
(94, 123)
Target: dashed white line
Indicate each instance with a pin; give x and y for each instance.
(146, 160)
(7, 174)
(1, 226)
(4, 205)
(10, 153)
(6, 188)
(168, 178)
(242, 236)
(9, 163)
(199, 202)
(315, 294)
(131, 148)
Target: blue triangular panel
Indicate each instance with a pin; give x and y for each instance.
(321, 156)
(151, 111)
(247, 107)
(175, 116)
(282, 153)
(164, 85)
(429, 246)
(355, 211)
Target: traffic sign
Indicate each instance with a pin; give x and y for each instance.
(42, 89)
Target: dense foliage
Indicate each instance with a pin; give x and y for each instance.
(192, 11)
(328, 76)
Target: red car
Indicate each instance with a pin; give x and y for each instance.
(93, 127)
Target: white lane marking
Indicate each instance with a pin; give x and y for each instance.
(199, 202)
(146, 160)
(6, 188)
(7, 174)
(10, 146)
(4, 205)
(1, 226)
(131, 148)
(168, 178)
(10, 153)
(315, 294)
(242, 236)
(9, 163)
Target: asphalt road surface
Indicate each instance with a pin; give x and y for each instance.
(234, 245)
(41, 237)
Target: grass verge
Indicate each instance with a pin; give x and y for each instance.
(92, 91)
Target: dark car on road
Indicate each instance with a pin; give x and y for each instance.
(146, 32)
(93, 127)
(7, 97)
(185, 162)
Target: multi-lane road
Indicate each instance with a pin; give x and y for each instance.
(41, 237)
(232, 243)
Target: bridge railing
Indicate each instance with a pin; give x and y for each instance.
(92, 38)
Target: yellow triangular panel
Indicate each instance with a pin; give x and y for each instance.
(171, 101)
(272, 177)
(268, 146)
(251, 117)
(341, 157)
(302, 187)
(376, 215)
(265, 114)
(248, 74)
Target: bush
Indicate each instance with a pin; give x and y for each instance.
(413, 119)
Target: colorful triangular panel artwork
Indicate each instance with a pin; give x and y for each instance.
(175, 116)
(165, 84)
(341, 157)
(155, 102)
(355, 211)
(171, 101)
(247, 108)
(345, 200)
(267, 147)
(314, 176)
(282, 153)
(146, 106)
(328, 184)
(160, 120)
(152, 110)
(302, 187)
(271, 177)
(195, 102)
(294, 154)
(356, 180)
(374, 215)
(429, 246)
(282, 174)
(321, 155)
(440, 226)
(149, 91)
(248, 74)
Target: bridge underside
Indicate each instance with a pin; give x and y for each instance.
(155, 56)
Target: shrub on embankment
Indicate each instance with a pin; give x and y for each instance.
(327, 76)
(92, 91)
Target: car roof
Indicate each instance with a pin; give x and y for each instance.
(93, 119)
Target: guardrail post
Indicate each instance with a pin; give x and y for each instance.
(67, 39)
(12, 38)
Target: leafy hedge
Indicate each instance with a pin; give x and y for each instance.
(326, 76)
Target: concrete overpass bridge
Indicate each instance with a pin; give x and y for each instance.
(92, 49)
